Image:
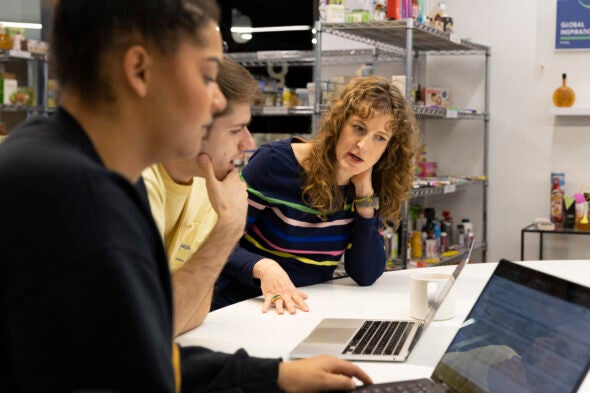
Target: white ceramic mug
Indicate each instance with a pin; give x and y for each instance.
(424, 289)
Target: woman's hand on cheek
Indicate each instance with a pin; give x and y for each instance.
(362, 183)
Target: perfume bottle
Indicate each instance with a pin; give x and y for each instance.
(564, 96)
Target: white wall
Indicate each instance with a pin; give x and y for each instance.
(527, 143)
(20, 11)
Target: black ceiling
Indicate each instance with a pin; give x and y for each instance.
(265, 13)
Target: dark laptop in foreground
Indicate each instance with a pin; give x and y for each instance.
(372, 340)
(528, 332)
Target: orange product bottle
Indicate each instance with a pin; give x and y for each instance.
(5, 40)
(564, 96)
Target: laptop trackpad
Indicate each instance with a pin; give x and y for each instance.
(330, 335)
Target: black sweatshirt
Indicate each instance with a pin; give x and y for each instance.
(86, 293)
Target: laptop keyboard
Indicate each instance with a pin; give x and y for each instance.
(379, 338)
(416, 386)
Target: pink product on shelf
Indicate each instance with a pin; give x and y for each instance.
(557, 192)
(406, 9)
(427, 169)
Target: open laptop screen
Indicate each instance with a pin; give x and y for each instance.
(527, 332)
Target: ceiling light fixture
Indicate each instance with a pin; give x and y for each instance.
(269, 29)
(34, 26)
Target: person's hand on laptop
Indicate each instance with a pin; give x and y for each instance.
(320, 373)
(277, 288)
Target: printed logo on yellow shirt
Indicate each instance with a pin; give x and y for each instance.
(184, 252)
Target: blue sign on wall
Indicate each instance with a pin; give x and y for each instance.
(572, 27)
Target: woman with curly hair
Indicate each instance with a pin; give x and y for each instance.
(312, 203)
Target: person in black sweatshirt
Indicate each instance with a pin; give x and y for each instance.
(86, 293)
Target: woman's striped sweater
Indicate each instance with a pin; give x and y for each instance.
(282, 227)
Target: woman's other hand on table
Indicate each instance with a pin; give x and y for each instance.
(278, 289)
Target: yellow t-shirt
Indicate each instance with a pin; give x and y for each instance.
(182, 213)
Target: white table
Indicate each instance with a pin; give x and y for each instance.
(243, 325)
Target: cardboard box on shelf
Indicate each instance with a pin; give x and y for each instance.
(436, 96)
(335, 13)
(35, 46)
(23, 95)
(8, 86)
(399, 81)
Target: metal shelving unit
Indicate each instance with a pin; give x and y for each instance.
(6, 55)
(407, 39)
(36, 78)
(401, 40)
(310, 59)
(307, 58)
(445, 189)
(392, 36)
(19, 108)
(282, 111)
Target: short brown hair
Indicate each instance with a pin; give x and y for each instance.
(237, 84)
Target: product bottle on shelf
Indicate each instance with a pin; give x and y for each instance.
(415, 10)
(429, 213)
(279, 96)
(443, 242)
(431, 250)
(556, 199)
(437, 233)
(429, 233)
(416, 244)
(581, 206)
(447, 226)
(460, 235)
(390, 239)
(564, 96)
(5, 40)
(420, 221)
(393, 9)
(467, 226)
(394, 246)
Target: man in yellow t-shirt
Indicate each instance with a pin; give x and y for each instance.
(200, 205)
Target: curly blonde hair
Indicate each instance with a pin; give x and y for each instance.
(392, 175)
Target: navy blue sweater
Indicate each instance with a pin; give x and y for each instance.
(282, 227)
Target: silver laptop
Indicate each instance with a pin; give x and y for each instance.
(537, 344)
(372, 340)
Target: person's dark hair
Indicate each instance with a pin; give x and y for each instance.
(84, 32)
(237, 84)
